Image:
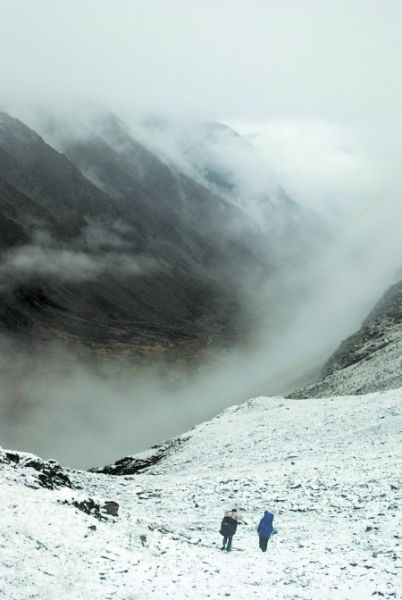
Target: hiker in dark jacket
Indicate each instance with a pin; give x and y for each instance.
(265, 529)
(228, 528)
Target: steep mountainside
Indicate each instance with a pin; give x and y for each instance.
(170, 209)
(330, 471)
(61, 199)
(107, 246)
(369, 360)
(228, 163)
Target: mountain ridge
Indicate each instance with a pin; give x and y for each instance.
(50, 208)
(368, 360)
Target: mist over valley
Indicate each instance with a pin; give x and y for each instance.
(152, 274)
(183, 226)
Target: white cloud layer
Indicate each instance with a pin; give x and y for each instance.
(69, 265)
(247, 59)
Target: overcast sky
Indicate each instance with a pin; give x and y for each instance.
(317, 82)
(230, 59)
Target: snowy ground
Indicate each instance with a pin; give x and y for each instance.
(329, 469)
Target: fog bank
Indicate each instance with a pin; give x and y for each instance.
(310, 95)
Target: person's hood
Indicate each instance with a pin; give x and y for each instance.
(268, 516)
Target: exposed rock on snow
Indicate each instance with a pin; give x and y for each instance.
(95, 508)
(37, 472)
(129, 465)
(329, 469)
(369, 360)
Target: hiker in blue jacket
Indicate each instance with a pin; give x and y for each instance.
(265, 529)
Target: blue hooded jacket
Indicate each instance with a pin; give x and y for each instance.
(265, 527)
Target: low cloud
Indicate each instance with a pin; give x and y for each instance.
(69, 265)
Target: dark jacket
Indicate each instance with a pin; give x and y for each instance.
(228, 526)
(265, 527)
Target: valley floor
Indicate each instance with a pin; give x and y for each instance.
(330, 469)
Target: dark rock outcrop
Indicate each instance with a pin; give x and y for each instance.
(130, 465)
(95, 508)
(47, 473)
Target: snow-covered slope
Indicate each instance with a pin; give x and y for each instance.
(370, 359)
(330, 470)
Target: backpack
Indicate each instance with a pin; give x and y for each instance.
(228, 526)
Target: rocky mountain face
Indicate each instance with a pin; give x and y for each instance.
(370, 359)
(106, 246)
